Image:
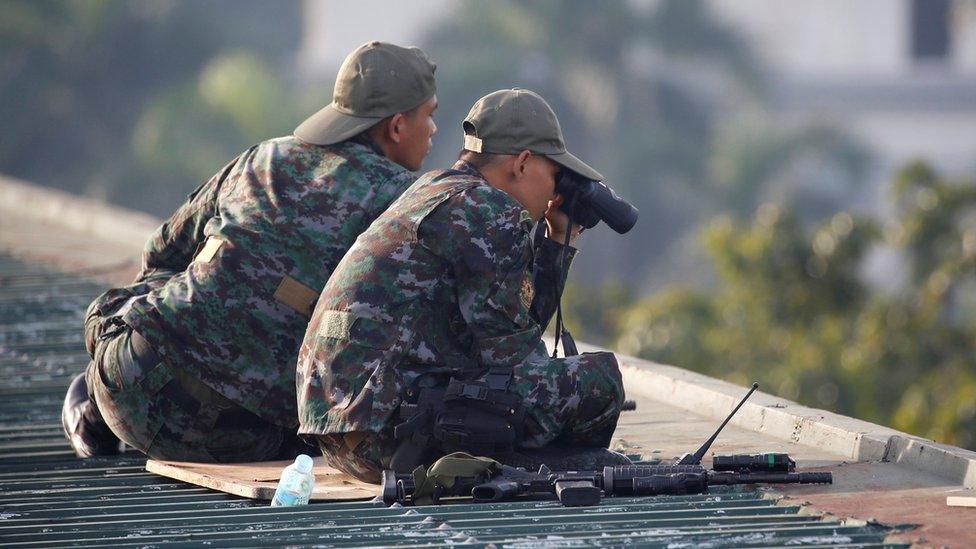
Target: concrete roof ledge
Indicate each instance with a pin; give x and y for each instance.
(83, 215)
(949, 462)
(787, 420)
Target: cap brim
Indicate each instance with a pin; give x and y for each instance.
(568, 160)
(330, 126)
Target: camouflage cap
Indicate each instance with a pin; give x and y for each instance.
(375, 81)
(515, 120)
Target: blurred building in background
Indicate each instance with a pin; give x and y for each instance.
(901, 75)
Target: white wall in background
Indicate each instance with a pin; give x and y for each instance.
(333, 28)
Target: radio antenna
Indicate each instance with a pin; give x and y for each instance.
(695, 459)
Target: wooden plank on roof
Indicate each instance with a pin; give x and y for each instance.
(259, 480)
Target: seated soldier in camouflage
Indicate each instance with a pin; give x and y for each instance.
(195, 360)
(427, 337)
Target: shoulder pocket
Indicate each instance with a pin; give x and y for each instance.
(297, 296)
(207, 249)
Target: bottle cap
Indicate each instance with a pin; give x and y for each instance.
(303, 463)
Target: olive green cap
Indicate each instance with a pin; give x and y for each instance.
(375, 81)
(515, 120)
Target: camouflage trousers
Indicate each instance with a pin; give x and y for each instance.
(167, 414)
(573, 401)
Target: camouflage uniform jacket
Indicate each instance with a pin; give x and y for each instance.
(228, 282)
(446, 280)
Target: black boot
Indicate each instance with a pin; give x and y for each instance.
(87, 432)
(558, 457)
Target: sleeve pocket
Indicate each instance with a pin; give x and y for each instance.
(367, 332)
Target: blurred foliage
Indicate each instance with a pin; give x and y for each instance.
(791, 310)
(814, 169)
(594, 313)
(138, 102)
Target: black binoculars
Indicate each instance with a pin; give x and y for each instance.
(588, 202)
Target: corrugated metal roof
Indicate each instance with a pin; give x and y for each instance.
(50, 498)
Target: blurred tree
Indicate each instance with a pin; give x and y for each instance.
(80, 76)
(185, 131)
(791, 310)
(754, 162)
(593, 315)
(76, 74)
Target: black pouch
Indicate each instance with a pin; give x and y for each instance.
(477, 416)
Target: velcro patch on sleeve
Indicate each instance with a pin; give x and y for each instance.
(336, 324)
(209, 250)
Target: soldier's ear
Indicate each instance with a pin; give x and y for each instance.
(396, 128)
(520, 164)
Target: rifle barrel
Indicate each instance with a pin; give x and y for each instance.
(770, 478)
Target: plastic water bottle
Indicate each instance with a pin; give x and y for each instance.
(295, 486)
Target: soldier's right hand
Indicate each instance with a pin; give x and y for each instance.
(557, 222)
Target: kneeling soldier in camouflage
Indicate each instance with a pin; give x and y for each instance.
(427, 337)
(195, 360)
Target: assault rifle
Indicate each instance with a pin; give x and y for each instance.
(580, 488)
